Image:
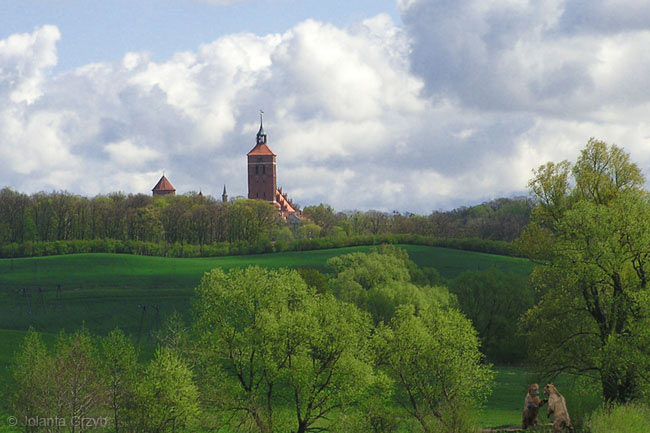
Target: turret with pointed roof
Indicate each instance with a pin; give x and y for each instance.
(163, 187)
(261, 148)
(224, 196)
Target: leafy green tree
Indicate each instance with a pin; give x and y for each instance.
(31, 373)
(279, 344)
(166, 398)
(433, 357)
(381, 280)
(321, 215)
(309, 231)
(315, 279)
(119, 365)
(76, 386)
(494, 301)
(250, 219)
(241, 321)
(330, 367)
(593, 279)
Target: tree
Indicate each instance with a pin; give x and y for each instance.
(594, 277)
(241, 321)
(315, 279)
(76, 384)
(322, 215)
(280, 344)
(493, 301)
(330, 367)
(433, 358)
(31, 370)
(381, 280)
(166, 397)
(119, 365)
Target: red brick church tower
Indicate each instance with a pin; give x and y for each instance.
(262, 181)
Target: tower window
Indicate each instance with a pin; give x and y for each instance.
(257, 169)
(264, 169)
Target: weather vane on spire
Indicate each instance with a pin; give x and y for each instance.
(261, 135)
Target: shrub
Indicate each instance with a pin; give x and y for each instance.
(631, 418)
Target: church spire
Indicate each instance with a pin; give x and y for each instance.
(261, 135)
(224, 196)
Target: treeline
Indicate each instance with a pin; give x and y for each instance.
(187, 219)
(375, 348)
(502, 219)
(193, 226)
(178, 250)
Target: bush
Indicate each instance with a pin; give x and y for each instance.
(263, 245)
(631, 418)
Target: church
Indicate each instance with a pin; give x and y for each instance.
(262, 177)
(262, 180)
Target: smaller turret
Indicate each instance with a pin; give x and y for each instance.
(224, 196)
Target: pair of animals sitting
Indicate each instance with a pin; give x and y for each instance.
(556, 407)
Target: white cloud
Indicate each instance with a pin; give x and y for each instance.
(455, 107)
(126, 153)
(23, 59)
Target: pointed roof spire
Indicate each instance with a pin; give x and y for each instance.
(261, 148)
(224, 196)
(164, 185)
(261, 131)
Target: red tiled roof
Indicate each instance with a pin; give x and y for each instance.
(164, 185)
(261, 149)
(283, 205)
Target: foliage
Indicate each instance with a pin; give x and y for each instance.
(166, 399)
(631, 418)
(594, 279)
(494, 301)
(277, 340)
(379, 282)
(240, 320)
(433, 358)
(181, 226)
(315, 279)
(119, 365)
(330, 369)
(72, 382)
(31, 379)
(75, 389)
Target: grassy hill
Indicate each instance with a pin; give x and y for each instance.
(103, 291)
(136, 293)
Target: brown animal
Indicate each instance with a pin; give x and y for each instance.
(557, 407)
(532, 404)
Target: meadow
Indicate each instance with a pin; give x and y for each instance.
(136, 293)
(104, 291)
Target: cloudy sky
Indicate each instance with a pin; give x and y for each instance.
(409, 105)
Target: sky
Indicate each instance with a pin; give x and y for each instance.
(407, 105)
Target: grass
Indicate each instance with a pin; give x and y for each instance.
(504, 406)
(104, 291)
(633, 418)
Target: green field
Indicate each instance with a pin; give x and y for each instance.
(104, 291)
